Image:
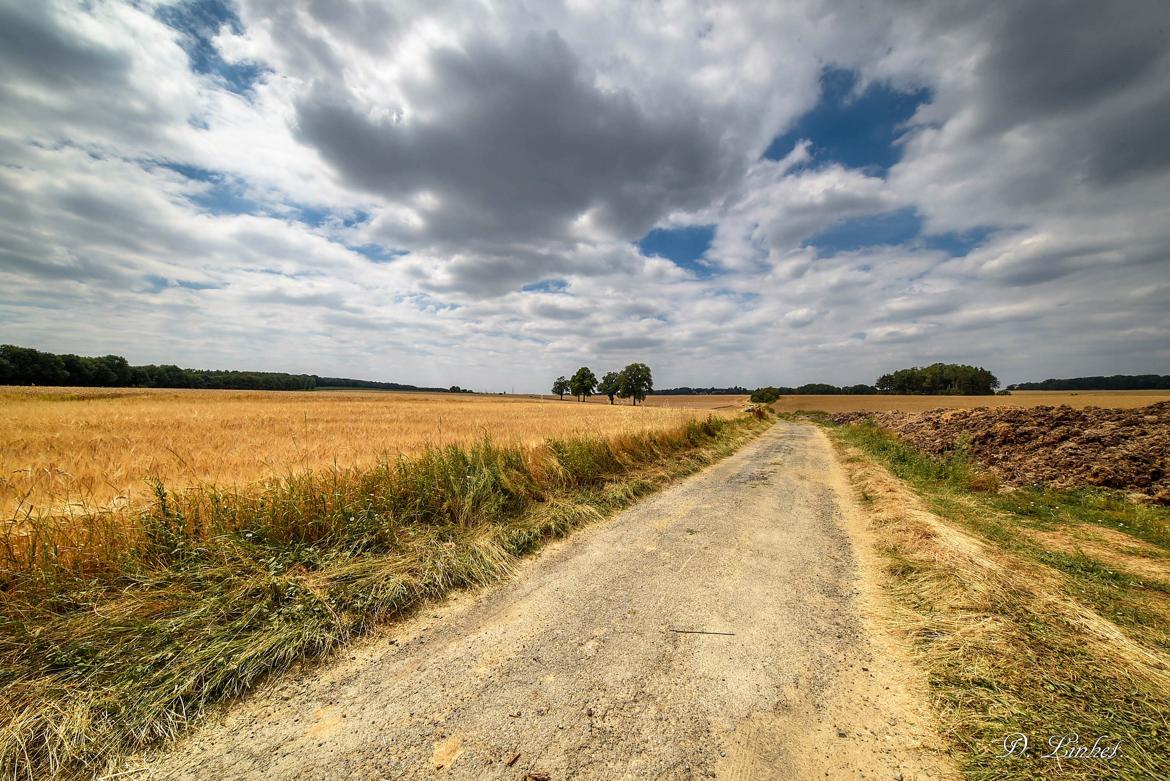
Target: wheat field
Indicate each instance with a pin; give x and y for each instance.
(85, 448)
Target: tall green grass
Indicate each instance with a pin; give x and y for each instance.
(117, 630)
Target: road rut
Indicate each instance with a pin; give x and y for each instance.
(719, 628)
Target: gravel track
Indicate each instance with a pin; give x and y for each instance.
(575, 666)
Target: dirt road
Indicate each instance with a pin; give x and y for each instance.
(580, 665)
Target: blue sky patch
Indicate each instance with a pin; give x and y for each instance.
(857, 131)
(955, 243)
(426, 303)
(356, 217)
(684, 246)
(546, 286)
(311, 215)
(191, 171)
(156, 283)
(315, 216)
(739, 296)
(888, 228)
(199, 21)
(226, 196)
(376, 252)
(901, 227)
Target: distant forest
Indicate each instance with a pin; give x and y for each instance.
(1116, 382)
(735, 390)
(938, 379)
(771, 393)
(344, 382)
(26, 366)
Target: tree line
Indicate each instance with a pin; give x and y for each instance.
(770, 393)
(734, 390)
(1113, 382)
(346, 382)
(938, 379)
(633, 382)
(26, 366)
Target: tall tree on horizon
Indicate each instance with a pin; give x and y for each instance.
(610, 384)
(561, 387)
(636, 381)
(583, 383)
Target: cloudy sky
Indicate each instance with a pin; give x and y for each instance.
(493, 193)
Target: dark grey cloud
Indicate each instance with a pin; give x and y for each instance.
(1047, 58)
(1104, 66)
(515, 140)
(64, 82)
(304, 48)
(1131, 143)
(371, 24)
(555, 311)
(35, 48)
(489, 269)
(1092, 80)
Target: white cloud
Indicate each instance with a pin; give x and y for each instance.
(506, 144)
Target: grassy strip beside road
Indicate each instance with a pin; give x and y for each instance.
(1034, 611)
(105, 649)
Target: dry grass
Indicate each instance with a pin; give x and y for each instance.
(882, 403)
(85, 448)
(1017, 634)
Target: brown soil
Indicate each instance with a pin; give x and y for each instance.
(1127, 449)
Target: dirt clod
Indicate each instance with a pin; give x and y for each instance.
(1126, 449)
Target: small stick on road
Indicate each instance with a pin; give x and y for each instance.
(700, 632)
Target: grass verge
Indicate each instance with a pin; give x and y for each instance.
(117, 631)
(1038, 612)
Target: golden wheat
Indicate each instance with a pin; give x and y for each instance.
(74, 448)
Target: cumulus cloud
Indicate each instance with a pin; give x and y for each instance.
(452, 193)
(516, 141)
